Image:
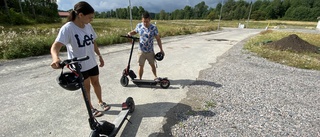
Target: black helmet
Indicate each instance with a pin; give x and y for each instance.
(68, 81)
(159, 56)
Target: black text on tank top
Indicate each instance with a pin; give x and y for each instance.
(86, 40)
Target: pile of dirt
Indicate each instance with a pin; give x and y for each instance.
(294, 43)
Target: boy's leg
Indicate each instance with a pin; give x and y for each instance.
(154, 70)
(151, 60)
(141, 60)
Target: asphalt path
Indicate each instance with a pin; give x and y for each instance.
(33, 104)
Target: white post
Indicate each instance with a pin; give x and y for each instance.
(220, 14)
(130, 14)
(249, 15)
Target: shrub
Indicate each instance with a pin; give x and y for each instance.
(17, 19)
(26, 47)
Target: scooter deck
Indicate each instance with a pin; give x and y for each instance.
(144, 82)
(122, 116)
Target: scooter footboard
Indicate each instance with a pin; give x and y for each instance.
(118, 122)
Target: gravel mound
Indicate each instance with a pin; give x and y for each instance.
(246, 95)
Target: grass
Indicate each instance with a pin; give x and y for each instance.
(210, 104)
(26, 41)
(290, 58)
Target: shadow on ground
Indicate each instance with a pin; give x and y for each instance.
(182, 82)
(174, 113)
(188, 82)
(147, 110)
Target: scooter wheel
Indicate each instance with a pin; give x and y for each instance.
(165, 83)
(124, 81)
(130, 104)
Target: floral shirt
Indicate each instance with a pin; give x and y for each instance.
(146, 36)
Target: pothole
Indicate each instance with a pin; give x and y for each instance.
(217, 40)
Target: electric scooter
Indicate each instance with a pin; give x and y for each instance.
(124, 80)
(99, 128)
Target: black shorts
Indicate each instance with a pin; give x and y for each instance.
(91, 72)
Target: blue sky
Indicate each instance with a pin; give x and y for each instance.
(149, 5)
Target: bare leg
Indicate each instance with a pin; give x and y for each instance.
(154, 70)
(140, 71)
(97, 87)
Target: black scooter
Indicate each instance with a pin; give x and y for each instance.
(99, 128)
(164, 82)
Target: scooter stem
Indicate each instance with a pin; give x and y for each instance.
(86, 100)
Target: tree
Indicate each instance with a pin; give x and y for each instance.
(211, 15)
(241, 10)
(286, 4)
(122, 13)
(200, 10)
(228, 10)
(187, 12)
(6, 7)
(298, 3)
(218, 10)
(316, 4)
(135, 12)
(298, 13)
(177, 14)
(141, 11)
(162, 15)
(20, 6)
(276, 9)
(258, 15)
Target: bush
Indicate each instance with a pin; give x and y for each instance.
(26, 47)
(17, 19)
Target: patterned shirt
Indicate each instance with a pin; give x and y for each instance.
(146, 36)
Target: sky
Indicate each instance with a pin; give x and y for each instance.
(149, 5)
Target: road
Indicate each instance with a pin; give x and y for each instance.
(33, 104)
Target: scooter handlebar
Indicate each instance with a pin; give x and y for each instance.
(73, 60)
(80, 58)
(130, 37)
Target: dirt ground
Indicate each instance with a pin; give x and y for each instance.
(294, 43)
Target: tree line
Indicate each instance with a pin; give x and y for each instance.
(20, 12)
(43, 11)
(299, 10)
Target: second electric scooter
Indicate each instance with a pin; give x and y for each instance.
(73, 81)
(164, 82)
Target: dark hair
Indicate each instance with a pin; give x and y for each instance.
(81, 7)
(145, 15)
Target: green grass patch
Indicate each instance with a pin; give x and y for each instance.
(299, 60)
(210, 104)
(33, 40)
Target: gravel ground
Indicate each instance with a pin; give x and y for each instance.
(246, 95)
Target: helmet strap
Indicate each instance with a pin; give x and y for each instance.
(72, 70)
(62, 70)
